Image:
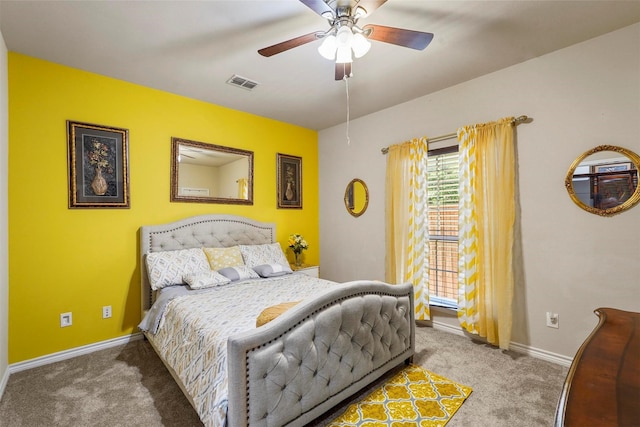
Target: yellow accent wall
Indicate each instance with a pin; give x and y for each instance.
(78, 260)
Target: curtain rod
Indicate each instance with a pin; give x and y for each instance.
(516, 121)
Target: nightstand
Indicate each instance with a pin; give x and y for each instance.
(309, 270)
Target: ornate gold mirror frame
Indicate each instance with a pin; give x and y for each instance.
(604, 180)
(356, 197)
(208, 173)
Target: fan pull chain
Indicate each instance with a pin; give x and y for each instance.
(346, 85)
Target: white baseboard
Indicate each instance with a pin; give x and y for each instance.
(548, 356)
(558, 359)
(447, 328)
(3, 382)
(73, 352)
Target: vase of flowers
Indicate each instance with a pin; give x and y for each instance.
(297, 245)
(98, 157)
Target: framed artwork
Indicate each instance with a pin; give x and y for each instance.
(98, 163)
(612, 190)
(289, 181)
(615, 167)
(350, 202)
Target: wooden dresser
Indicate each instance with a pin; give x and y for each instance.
(603, 384)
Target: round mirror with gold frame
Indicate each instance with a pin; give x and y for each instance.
(604, 180)
(356, 197)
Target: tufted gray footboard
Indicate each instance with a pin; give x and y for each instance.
(318, 353)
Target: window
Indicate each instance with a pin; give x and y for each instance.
(442, 188)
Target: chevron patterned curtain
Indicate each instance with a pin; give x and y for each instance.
(407, 247)
(243, 188)
(486, 222)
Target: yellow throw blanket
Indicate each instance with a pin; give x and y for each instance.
(270, 313)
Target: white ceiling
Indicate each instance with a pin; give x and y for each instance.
(191, 48)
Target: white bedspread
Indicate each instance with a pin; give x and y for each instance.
(193, 332)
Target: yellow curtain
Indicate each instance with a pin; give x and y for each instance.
(243, 188)
(407, 247)
(486, 220)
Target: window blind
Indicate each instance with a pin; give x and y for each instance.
(442, 189)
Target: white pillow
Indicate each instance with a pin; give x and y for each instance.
(272, 270)
(239, 272)
(167, 268)
(206, 279)
(255, 255)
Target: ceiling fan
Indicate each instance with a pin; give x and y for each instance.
(344, 35)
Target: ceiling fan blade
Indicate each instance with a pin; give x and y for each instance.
(371, 5)
(289, 44)
(318, 6)
(398, 36)
(342, 70)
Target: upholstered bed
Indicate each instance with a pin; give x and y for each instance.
(337, 339)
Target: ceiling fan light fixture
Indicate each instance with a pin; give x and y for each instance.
(344, 37)
(361, 12)
(343, 55)
(360, 45)
(328, 47)
(328, 15)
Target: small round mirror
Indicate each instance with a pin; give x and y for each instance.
(604, 180)
(356, 197)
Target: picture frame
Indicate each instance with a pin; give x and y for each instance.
(350, 198)
(98, 166)
(612, 190)
(614, 167)
(289, 181)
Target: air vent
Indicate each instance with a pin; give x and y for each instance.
(242, 82)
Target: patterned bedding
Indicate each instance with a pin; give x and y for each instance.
(193, 331)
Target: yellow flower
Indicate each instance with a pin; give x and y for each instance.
(297, 243)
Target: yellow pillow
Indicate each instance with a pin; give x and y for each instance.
(270, 313)
(223, 257)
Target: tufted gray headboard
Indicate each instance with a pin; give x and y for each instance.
(198, 232)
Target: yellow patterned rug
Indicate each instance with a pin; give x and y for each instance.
(412, 397)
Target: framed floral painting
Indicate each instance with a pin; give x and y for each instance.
(289, 181)
(98, 158)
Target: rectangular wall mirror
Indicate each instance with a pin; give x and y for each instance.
(208, 173)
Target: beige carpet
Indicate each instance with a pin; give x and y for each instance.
(129, 386)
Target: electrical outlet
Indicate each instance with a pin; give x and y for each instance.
(106, 312)
(553, 320)
(66, 319)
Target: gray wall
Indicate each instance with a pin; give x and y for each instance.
(570, 261)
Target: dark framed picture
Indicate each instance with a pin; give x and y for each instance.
(350, 199)
(612, 190)
(98, 158)
(615, 167)
(289, 182)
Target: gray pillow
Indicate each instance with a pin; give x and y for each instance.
(272, 270)
(239, 272)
